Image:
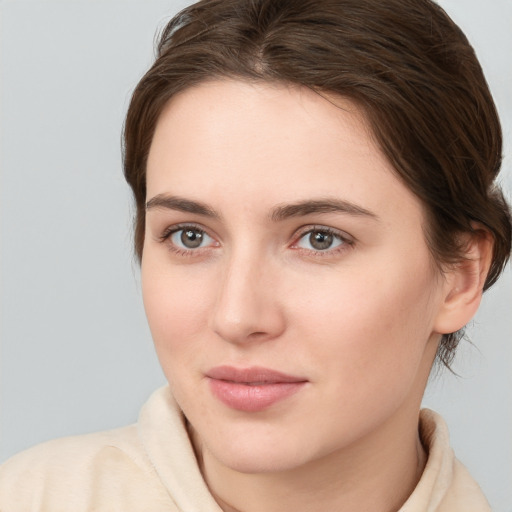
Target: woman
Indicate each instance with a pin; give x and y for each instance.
(316, 221)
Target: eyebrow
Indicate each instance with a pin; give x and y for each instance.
(320, 206)
(181, 204)
(279, 213)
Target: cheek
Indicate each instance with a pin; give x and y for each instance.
(373, 323)
(176, 308)
(175, 318)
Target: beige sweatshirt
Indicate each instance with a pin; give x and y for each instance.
(151, 467)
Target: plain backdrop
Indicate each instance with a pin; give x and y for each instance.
(76, 354)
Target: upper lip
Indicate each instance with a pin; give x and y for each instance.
(251, 375)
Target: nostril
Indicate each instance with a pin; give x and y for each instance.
(257, 335)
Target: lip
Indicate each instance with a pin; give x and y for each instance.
(252, 389)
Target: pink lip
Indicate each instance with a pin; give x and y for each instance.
(252, 389)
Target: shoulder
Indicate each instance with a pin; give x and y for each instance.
(464, 491)
(102, 471)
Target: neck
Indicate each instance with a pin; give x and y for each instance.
(376, 473)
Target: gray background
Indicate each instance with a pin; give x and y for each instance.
(76, 355)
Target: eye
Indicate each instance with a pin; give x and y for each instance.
(190, 238)
(321, 239)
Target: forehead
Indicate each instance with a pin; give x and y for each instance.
(269, 143)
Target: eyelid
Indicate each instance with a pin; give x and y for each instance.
(167, 233)
(347, 239)
(169, 230)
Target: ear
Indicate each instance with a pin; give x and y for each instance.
(464, 282)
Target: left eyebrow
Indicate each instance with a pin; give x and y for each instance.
(320, 206)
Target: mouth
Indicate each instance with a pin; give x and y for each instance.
(252, 389)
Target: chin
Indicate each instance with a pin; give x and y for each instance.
(260, 459)
(263, 449)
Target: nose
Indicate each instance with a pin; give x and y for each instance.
(248, 308)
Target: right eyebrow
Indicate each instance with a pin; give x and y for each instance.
(181, 204)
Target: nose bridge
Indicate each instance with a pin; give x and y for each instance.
(247, 307)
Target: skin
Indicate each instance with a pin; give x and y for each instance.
(360, 320)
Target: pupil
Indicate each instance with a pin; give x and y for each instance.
(320, 240)
(191, 239)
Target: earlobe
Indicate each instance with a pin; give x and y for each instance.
(464, 282)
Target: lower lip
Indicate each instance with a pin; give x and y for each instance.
(244, 397)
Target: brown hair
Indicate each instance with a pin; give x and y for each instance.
(405, 62)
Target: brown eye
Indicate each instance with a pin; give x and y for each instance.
(190, 238)
(320, 240)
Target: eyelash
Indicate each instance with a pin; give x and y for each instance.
(171, 230)
(346, 241)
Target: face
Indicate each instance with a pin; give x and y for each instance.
(286, 279)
